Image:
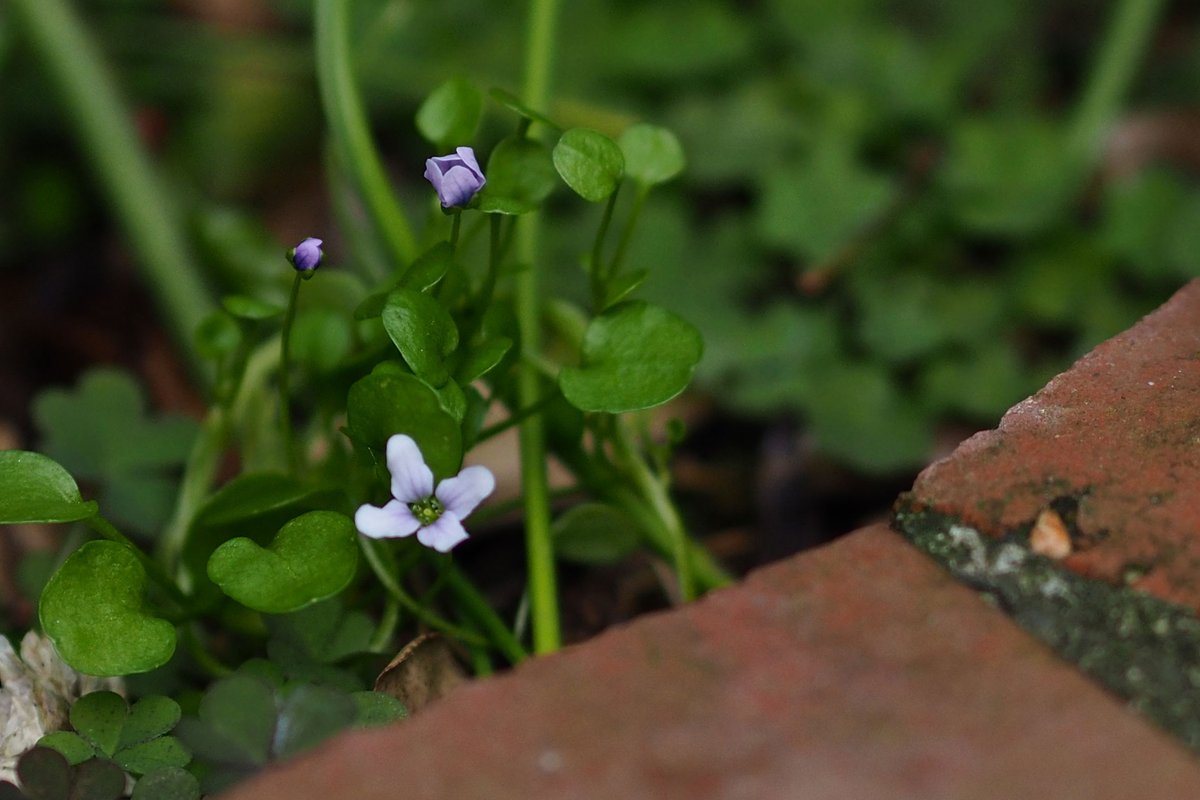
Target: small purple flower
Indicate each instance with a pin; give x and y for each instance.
(307, 255)
(435, 516)
(456, 178)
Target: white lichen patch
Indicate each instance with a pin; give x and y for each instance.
(37, 689)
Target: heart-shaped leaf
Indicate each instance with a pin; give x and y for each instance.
(635, 355)
(589, 162)
(450, 115)
(381, 405)
(99, 717)
(422, 331)
(94, 610)
(150, 717)
(156, 754)
(652, 155)
(171, 783)
(34, 488)
(73, 747)
(312, 557)
(520, 175)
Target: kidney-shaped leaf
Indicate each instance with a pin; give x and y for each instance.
(34, 488)
(94, 610)
(312, 557)
(590, 163)
(450, 115)
(635, 355)
(520, 175)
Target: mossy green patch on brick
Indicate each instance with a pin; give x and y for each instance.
(1142, 648)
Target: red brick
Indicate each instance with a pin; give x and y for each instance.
(859, 670)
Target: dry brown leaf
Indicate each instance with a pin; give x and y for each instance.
(422, 672)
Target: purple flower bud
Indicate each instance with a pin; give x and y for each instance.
(456, 178)
(307, 255)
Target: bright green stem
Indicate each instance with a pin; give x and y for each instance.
(102, 125)
(1114, 69)
(481, 613)
(285, 371)
(106, 529)
(543, 582)
(599, 274)
(655, 494)
(387, 625)
(348, 126)
(455, 229)
(198, 475)
(639, 202)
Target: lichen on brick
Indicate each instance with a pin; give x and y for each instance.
(1142, 648)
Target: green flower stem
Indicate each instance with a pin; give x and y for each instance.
(543, 582)
(106, 529)
(374, 552)
(599, 275)
(514, 419)
(655, 494)
(386, 628)
(480, 612)
(455, 228)
(635, 212)
(102, 125)
(350, 131)
(198, 476)
(1124, 43)
(285, 369)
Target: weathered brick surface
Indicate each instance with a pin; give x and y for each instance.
(1120, 431)
(856, 671)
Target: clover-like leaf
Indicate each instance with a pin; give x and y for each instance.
(45, 775)
(94, 609)
(150, 756)
(451, 112)
(312, 557)
(590, 163)
(134, 738)
(635, 355)
(381, 405)
(422, 331)
(520, 175)
(652, 154)
(34, 488)
(99, 718)
(169, 783)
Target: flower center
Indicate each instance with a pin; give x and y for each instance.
(427, 510)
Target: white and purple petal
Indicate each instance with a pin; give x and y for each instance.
(443, 534)
(461, 494)
(412, 480)
(393, 521)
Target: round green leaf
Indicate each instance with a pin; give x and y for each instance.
(44, 773)
(483, 359)
(381, 405)
(312, 557)
(34, 488)
(594, 533)
(589, 162)
(652, 155)
(217, 335)
(94, 610)
(73, 747)
(450, 115)
(376, 708)
(171, 783)
(520, 175)
(152, 716)
(309, 716)
(635, 355)
(321, 338)
(422, 331)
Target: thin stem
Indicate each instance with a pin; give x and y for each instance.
(285, 369)
(371, 549)
(101, 123)
(351, 133)
(543, 583)
(635, 212)
(514, 419)
(1114, 69)
(598, 273)
(455, 227)
(386, 628)
(200, 654)
(655, 493)
(481, 613)
(106, 529)
(198, 476)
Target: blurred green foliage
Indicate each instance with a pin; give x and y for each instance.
(881, 227)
